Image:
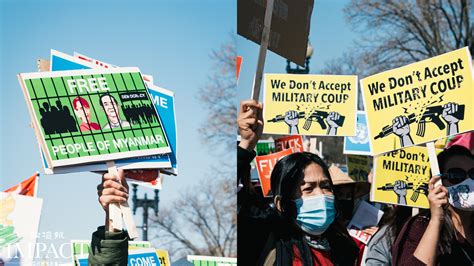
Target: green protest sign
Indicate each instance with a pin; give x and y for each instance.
(85, 116)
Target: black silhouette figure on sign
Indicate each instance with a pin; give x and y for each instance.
(57, 119)
(140, 114)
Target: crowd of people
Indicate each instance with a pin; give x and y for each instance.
(305, 221)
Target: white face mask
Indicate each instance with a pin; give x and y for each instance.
(461, 196)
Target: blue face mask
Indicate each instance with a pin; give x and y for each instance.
(315, 213)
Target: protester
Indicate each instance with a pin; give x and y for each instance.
(350, 194)
(379, 247)
(109, 246)
(443, 235)
(303, 227)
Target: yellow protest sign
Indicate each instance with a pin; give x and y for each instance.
(358, 167)
(401, 177)
(420, 102)
(163, 257)
(310, 104)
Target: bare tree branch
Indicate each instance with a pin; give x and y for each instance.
(202, 221)
(218, 97)
(417, 30)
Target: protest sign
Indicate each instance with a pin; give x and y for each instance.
(265, 147)
(101, 64)
(365, 216)
(61, 61)
(163, 257)
(141, 257)
(310, 104)
(290, 23)
(19, 221)
(43, 65)
(358, 167)
(136, 257)
(93, 115)
(401, 177)
(165, 105)
(211, 261)
(265, 164)
(80, 248)
(358, 144)
(290, 142)
(145, 162)
(164, 101)
(155, 183)
(420, 102)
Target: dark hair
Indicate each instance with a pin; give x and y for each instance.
(448, 231)
(285, 180)
(289, 171)
(394, 219)
(106, 94)
(455, 150)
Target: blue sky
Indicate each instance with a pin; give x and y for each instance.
(170, 40)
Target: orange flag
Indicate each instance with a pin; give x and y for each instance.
(238, 60)
(27, 187)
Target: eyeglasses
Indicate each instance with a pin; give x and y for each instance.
(457, 175)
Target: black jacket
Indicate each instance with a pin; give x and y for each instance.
(259, 228)
(254, 215)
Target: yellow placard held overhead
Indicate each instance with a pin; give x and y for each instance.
(358, 167)
(310, 104)
(401, 177)
(420, 102)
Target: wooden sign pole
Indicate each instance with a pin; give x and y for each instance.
(116, 211)
(434, 167)
(433, 160)
(257, 82)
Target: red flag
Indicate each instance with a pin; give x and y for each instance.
(143, 175)
(466, 140)
(27, 187)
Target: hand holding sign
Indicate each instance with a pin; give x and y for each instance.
(110, 190)
(250, 122)
(438, 199)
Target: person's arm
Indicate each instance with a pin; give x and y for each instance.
(378, 249)
(110, 247)
(250, 124)
(438, 199)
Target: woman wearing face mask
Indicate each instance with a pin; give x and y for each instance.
(303, 227)
(445, 234)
